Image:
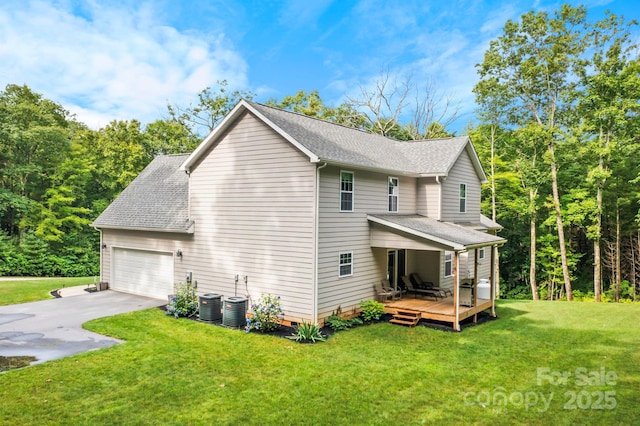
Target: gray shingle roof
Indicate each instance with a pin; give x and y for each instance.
(338, 144)
(156, 200)
(444, 232)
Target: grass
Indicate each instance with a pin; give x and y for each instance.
(32, 290)
(182, 372)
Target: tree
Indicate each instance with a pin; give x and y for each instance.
(312, 105)
(213, 105)
(533, 65)
(34, 140)
(385, 104)
(120, 155)
(610, 97)
(493, 144)
(63, 206)
(168, 137)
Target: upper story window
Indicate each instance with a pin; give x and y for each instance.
(448, 264)
(346, 191)
(481, 253)
(393, 194)
(463, 198)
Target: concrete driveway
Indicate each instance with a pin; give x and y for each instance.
(52, 329)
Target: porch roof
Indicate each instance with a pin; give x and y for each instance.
(436, 234)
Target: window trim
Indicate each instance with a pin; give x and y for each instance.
(450, 261)
(395, 194)
(462, 198)
(352, 192)
(340, 264)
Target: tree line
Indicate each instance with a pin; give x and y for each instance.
(557, 133)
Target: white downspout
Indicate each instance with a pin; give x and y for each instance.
(316, 243)
(188, 172)
(101, 251)
(439, 216)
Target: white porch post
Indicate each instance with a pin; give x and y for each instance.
(475, 282)
(456, 291)
(492, 288)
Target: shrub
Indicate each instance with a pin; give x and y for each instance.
(371, 310)
(266, 314)
(184, 303)
(308, 332)
(338, 323)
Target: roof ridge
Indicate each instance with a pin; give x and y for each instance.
(174, 155)
(367, 132)
(324, 121)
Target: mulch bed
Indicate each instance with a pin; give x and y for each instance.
(286, 331)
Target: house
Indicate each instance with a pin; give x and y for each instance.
(276, 202)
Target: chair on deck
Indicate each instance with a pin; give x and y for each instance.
(386, 292)
(396, 294)
(422, 291)
(419, 283)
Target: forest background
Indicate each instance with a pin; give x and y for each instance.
(557, 132)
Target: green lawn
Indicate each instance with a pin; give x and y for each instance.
(32, 290)
(183, 372)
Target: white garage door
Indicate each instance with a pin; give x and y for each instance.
(142, 272)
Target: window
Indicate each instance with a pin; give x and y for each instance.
(346, 191)
(393, 194)
(448, 264)
(481, 253)
(463, 198)
(346, 264)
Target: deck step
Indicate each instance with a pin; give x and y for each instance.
(409, 318)
(403, 322)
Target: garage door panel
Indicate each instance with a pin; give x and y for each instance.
(142, 272)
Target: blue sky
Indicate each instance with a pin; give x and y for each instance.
(120, 59)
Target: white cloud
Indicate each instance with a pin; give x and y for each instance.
(113, 63)
(497, 18)
(303, 13)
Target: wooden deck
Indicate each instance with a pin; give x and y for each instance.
(440, 310)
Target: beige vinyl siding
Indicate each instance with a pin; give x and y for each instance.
(253, 200)
(461, 172)
(425, 263)
(447, 281)
(349, 231)
(484, 265)
(151, 241)
(466, 268)
(428, 197)
(467, 264)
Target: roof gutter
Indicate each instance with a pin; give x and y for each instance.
(189, 230)
(493, 243)
(351, 166)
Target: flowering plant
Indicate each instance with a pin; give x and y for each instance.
(266, 314)
(184, 303)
